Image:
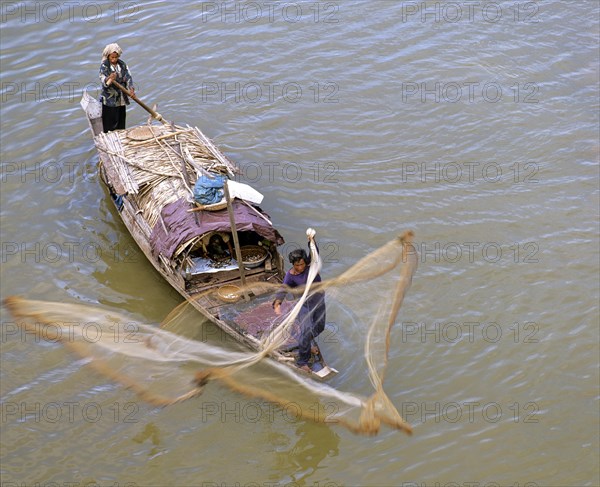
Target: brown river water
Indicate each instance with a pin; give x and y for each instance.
(475, 124)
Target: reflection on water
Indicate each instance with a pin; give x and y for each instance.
(150, 436)
(301, 462)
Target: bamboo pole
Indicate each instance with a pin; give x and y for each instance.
(236, 241)
(154, 114)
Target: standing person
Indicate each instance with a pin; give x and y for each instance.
(113, 99)
(312, 313)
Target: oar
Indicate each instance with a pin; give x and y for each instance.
(154, 114)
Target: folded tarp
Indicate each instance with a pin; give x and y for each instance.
(182, 226)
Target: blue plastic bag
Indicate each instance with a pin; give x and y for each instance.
(209, 189)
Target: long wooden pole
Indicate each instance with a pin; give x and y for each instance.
(236, 241)
(154, 114)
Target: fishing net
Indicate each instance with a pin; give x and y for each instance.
(175, 361)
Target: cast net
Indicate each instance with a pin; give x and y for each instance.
(178, 360)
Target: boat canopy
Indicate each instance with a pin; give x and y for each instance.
(178, 226)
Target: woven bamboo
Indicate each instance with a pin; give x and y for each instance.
(158, 165)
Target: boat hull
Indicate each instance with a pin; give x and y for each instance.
(203, 297)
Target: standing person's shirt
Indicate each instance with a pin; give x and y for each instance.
(112, 96)
(300, 280)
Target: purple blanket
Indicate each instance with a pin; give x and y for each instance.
(183, 226)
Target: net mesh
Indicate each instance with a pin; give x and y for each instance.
(173, 362)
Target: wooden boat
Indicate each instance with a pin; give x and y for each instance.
(151, 171)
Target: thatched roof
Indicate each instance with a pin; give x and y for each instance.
(158, 165)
